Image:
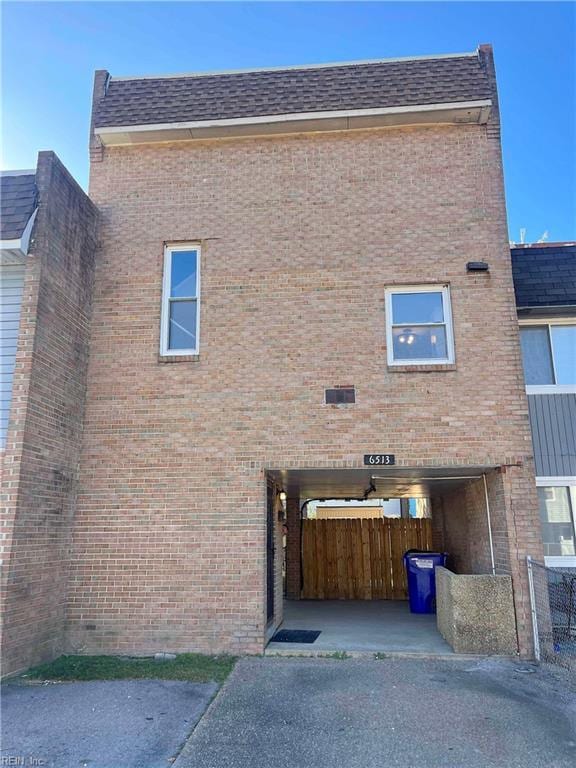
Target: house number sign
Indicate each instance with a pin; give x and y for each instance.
(379, 459)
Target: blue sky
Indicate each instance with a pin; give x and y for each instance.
(50, 51)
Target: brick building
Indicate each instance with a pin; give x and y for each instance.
(298, 268)
(545, 285)
(48, 242)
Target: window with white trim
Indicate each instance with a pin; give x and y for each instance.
(549, 355)
(557, 504)
(419, 325)
(180, 300)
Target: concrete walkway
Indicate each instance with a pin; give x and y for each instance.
(103, 724)
(362, 625)
(325, 713)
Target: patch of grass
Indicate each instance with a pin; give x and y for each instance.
(194, 667)
(337, 655)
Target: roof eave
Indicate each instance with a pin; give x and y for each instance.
(15, 251)
(547, 310)
(475, 112)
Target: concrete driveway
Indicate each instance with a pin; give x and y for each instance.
(101, 724)
(327, 713)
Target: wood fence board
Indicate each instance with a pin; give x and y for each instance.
(359, 559)
(366, 567)
(386, 560)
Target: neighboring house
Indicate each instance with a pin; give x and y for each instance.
(303, 287)
(47, 251)
(19, 201)
(545, 286)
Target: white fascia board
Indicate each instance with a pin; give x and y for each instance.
(449, 112)
(26, 235)
(14, 251)
(27, 172)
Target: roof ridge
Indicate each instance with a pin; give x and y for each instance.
(296, 67)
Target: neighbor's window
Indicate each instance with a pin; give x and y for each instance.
(549, 354)
(557, 505)
(419, 326)
(180, 300)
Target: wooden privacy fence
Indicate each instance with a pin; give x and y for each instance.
(359, 559)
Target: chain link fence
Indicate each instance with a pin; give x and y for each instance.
(553, 604)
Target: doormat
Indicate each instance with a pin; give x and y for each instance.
(295, 636)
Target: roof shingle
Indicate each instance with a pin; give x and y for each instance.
(367, 85)
(18, 197)
(544, 276)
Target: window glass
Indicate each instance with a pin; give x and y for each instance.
(182, 328)
(536, 355)
(419, 342)
(564, 346)
(183, 274)
(425, 307)
(557, 521)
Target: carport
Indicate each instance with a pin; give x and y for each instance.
(345, 578)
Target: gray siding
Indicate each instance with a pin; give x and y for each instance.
(553, 422)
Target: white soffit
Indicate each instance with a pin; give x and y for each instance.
(475, 112)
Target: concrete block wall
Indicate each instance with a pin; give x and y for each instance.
(40, 466)
(475, 613)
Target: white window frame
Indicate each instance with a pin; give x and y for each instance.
(444, 289)
(561, 561)
(169, 249)
(548, 389)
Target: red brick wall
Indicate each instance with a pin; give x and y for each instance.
(40, 467)
(300, 237)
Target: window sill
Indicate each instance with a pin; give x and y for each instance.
(422, 368)
(178, 358)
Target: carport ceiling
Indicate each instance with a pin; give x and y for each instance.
(390, 482)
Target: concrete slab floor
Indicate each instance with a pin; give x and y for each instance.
(362, 625)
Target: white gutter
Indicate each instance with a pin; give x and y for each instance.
(473, 112)
(327, 115)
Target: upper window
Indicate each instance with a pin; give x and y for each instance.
(180, 300)
(549, 354)
(419, 326)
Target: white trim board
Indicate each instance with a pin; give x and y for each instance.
(14, 251)
(27, 172)
(474, 112)
(550, 389)
(556, 480)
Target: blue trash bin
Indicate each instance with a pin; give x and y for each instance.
(420, 568)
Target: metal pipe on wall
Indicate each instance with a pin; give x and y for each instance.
(488, 518)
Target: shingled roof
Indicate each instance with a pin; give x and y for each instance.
(544, 275)
(18, 199)
(353, 86)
